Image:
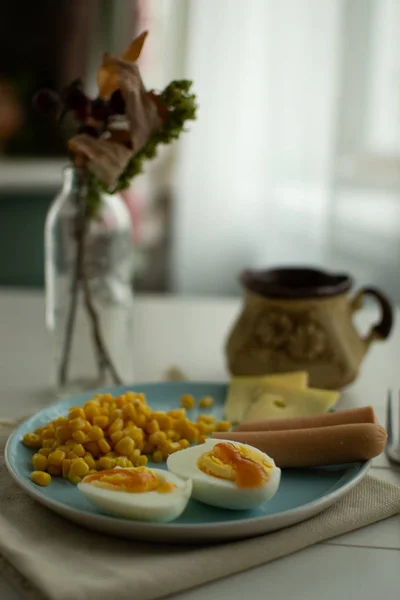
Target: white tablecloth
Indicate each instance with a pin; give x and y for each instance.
(189, 333)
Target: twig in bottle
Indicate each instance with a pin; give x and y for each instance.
(104, 358)
(79, 235)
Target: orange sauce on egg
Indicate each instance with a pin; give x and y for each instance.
(249, 474)
(135, 481)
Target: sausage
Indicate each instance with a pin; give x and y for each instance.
(340, 417)
(316, 446)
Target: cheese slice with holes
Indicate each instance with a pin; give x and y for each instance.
(277, 402)
(242, 391)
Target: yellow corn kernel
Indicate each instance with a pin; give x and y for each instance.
(202, 439)
(191, 433)
(121, 401)
(125, 446)
(121, 461)
(141, 420)
(158, 437)
(104, 446)
(40, 478)
(89, 460)
(77, 423)
(64, 448)
(152, 426)
(78, 469)
(87, 427)
(91, 472)
(208, 419)
(142, 461)
(80, 436)
(136, 434)
(179, 413)
(96, 433)
(205, 428)
(139, 444)
(222, 426)
(60, 422)
(184, 444)
(101, 421)
(134, 456)
(187, 401)
(79, 450)
(39, 462)
(116, 414)
(44, 451)
(116, 436)
(206, 402)
(48, 433)
(63, 433)
(32, 440)
(116, 425)
(146, 411)
(202, 427)
(129, 412)
(70, 443)
(72, 455)
(164, 420)
(147, 448)
(173, 435)
(54, 470)
(93, 448)
(128, 430)
(49, 443)
(56, 457)
(106, 463)
(171, 447)
(91, 410)
(76, 413)
(129, 464)
(112, 454)
(66, 463)
(105, 399)
(157, 456)
(181, 424)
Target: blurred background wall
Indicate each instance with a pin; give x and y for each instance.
(294, 158)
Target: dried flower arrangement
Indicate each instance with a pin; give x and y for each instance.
(116, 132)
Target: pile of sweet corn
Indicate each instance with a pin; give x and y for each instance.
(108, 432)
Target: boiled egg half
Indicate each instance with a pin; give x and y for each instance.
(138, 493)
(227, 474)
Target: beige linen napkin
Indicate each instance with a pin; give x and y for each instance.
(49, 558)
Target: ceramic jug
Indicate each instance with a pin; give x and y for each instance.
(302, 319)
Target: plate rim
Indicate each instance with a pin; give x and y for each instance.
(290, 516)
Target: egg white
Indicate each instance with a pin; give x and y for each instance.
(220, 492)
(145, 506)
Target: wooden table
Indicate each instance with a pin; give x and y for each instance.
(189, 333)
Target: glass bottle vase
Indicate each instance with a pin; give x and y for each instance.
(89, 297)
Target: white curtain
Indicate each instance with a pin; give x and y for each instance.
(293, 98)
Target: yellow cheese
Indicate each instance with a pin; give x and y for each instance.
(277, 402)
(242, 389)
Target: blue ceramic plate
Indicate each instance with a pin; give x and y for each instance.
(302, 494)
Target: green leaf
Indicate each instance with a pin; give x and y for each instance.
(181, 107)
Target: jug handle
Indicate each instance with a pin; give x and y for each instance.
(382, 329)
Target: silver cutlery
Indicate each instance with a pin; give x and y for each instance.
(393, 427)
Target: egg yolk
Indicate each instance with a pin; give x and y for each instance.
(248, 469)
(135, 481)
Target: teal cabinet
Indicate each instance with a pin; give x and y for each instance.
(22, 218)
